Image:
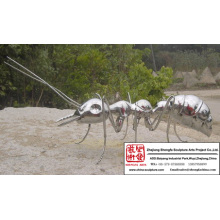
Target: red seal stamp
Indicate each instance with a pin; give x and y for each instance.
(135, 153)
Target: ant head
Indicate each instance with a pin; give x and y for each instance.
(91, 111)
(92, 106)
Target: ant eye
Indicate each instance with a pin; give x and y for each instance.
(95, 107)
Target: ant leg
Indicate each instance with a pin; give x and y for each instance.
(89, 126)
(162, 113)
(104, 129)
(116, 125)
(126, 130)
(152, 123)
(177, 134)
(148, 123)
(119, 123)
(168, 128)
(99, 96)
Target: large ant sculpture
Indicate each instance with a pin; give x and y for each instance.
(187, 110)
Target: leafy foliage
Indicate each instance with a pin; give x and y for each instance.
(79, 71)
(184, 57)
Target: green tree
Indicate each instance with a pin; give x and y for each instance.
(79, 71)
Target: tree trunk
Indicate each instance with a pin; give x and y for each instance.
(24, 90)
(32, 97)
(152, 51)
(40, 97)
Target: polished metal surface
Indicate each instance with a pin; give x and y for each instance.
(160, 107)
(144, 104)
(142, 109)
(141, 106)
(121, 108)
(91, 112)
(190, 111)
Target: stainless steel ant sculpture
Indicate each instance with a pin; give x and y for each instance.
(186, 110)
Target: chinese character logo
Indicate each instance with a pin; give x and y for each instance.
(135, 153)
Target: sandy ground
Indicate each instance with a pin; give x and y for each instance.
(32, 143)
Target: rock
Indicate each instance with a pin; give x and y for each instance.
(189, 80)
(177, 75)
(217, 78)
(193, 73)
(207, 77)
(184, 74)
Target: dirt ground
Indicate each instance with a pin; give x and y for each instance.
(32, 143)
